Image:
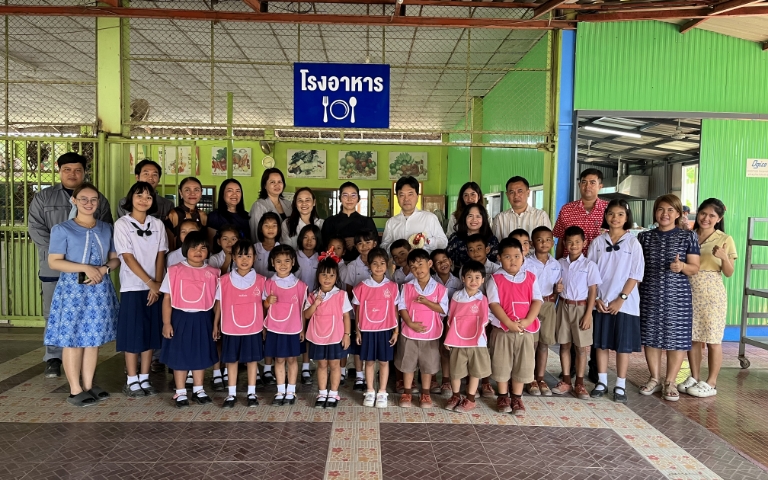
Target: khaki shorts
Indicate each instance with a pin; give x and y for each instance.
(548, 319)
(422, 354)
(568, 330)
(511, 352)
(473, 361)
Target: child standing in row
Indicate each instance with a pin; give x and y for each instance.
(620, 262)
(465, 338)
(375, 300)
(580, 279)
(422, 304)
(308, 242)
(326, 315)
(399, 251)
(187, 225)
(442, 266)
(239, 317)
(268, 231)
(190, 291)
(284, 295)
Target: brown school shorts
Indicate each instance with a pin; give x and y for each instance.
(568, 330)
(422, 354)
(473, 361)
(548, 318)
(511, 352)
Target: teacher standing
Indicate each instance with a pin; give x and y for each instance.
(270, 199)
(348, 222)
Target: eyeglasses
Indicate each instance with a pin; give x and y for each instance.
(348, 195)
(86, 201)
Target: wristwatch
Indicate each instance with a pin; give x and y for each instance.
(623, 296)
(108, 269)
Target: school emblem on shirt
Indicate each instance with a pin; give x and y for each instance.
(256, 292)
(474, 309)
(295, 299)
(208, 275)
(387, 294)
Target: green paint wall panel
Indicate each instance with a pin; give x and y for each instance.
(458, 174)
(499, 164)
(649, 65)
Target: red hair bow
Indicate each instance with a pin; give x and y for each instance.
(329, 254)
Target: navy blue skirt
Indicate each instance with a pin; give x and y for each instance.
(242, 348)
(354, 348)
(620, 332)
(326, 352)
(280, 345)
(192, 346)
(139, 327)
(374, 346)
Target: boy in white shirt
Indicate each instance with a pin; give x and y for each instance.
(399, 252)
(442, 266)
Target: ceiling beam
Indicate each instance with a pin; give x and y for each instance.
(230, 16)
(257, 5)
(690, 25)
(765, 46)
(546, 7)
(111, 3)
(599, 140)
(719, 9)
(693, 13)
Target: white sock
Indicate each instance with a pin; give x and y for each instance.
(305, 366)
(143, 377)
(602, 378)
(197, 388)
(360, 375)
(216, 373)
(323, 393)
(251, 389)
(130, 381)
(267, 368)
(281, 389)
(291, 389)
(182, 394)
(333, 394)
(621, 382)
(232, 391)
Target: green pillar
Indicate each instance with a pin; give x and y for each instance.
(476, 153)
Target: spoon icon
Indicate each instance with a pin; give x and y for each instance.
(352, 104)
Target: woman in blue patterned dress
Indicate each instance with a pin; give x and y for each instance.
(666, 307)
(84, 308)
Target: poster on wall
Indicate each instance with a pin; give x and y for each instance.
(306, 163)
(176, 160)
(357, 165)
(132, 158)
(402, 164)
(241, 162)
(757, 167)
(381, 203)
(219, 161)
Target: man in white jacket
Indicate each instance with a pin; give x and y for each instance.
(411, 220)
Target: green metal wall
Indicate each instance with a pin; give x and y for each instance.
(650, 66)
(458, 174)
(499, 164)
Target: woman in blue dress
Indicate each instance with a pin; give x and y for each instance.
(84, 308)
(666, 305)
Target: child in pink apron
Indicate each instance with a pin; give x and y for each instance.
(465, 337)
(284, 295)
(188, 344)
(268, 231)
(326, 314)
(307, 255)
(442, 266)
(375, 301)
(239, 317)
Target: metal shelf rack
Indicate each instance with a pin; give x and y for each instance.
(749, 267)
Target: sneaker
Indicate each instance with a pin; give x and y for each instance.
(486, 391)
(580, 392)
(504, 404)
(369, 399)
(453, 401)
(53, 369)
(688, 383)
(381, 400)
(399, 387)
(405, 400)
(465, 406)
(702, 390)
(518, 409)
(446, 387)
(425, 401)
(544, 388)
(562, 388)
(156, 366)
(434, 387)
(359, 385)
(533, 389)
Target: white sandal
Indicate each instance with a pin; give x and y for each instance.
(651, 386)
(702, 390)
(670, 393)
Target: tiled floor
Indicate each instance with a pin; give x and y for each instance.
(42, 437)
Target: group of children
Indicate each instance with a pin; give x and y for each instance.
(271, 302)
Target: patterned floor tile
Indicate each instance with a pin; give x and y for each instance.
(127, 471)
(566, 455)
(401, 471)
(498, 433)
(460, 452)
(262, 431)
(206, 430)
(411, 454)
(404, 432)
(511, 453)
(237, 471)
(308, 449)
(83, 451)
(440, 432)
(15, 470)
(58, 471)
(309, 470)
(170, 470)
(626, 456)
(458, 471)
(191, 450)
(145, 450)
(519, 472)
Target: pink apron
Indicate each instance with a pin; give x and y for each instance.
(285, 315)
(242, 312)
(423, 314)
(326, 327)
(377, 310)
(192, 289)
(516, 299)
(466, 323)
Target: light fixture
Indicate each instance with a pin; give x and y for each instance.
(613, 132)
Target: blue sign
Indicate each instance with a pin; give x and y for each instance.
(341, 95)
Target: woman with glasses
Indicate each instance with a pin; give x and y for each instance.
(84, 308)
(348, 222)
(303, 213)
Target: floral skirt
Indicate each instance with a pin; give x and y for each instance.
(710, 307)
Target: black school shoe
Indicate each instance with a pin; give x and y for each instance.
(306, 379)
(181, 401)
(359, 385)
(599, 392)
(228, 403)
(619, 397)
(269, 378)
(253, 401)
(201, 399)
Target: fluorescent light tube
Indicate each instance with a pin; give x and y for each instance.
(613, 132)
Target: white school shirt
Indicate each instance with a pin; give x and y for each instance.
(261, 263)
(347, 307)
(144, 248)
(307, 269)
(507, 221)
(430, 288)
(578, 276)
(492, 291)
(217, 260)
(616, 267)
(173, 258)
(401, 278)
(238, 281)
(547, 274)
(165, 287)
(355, 272)
(286, 240)
(342, 270)
(419, 221)
(461, 296)
(285, 282)
(452, 285)
(372, 283)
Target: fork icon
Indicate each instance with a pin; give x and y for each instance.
(325, 109)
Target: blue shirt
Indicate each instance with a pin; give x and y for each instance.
(75, 242)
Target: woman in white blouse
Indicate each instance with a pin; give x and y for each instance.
(270, 199)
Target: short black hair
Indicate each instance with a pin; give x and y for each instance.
(140, 187)
(400, 243)
(347, 185)
(192, 240)
(407, 181)
(418, 254)
(229, 228)
(144, 163)
(265, 177)
(591, 171)
(377, 252)
(303, 233)
(366, 235)
(510, 242)
(264, 218)
(243, 247)
(436, 252)
(476, 238)
(327, 265)
(618, 202)
(473, 266)
(71, 157)
(283, 249)
(191, 221)
(574, 231)
(519, 232)
(540, 229)
(516, 179)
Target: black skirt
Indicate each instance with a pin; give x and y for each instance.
(620, 332)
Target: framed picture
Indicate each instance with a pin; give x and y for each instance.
(176, 160)
(433, 203)
(306, 163)
(380, 202)
(219, 161)
(358, 165)
(241, 162)
(402, 164)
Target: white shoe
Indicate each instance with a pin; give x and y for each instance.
(702, 390)
(381, 400)
(688, 383)
(369, 398)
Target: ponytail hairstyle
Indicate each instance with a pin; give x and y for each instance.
(327, 265)
(718, 207)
